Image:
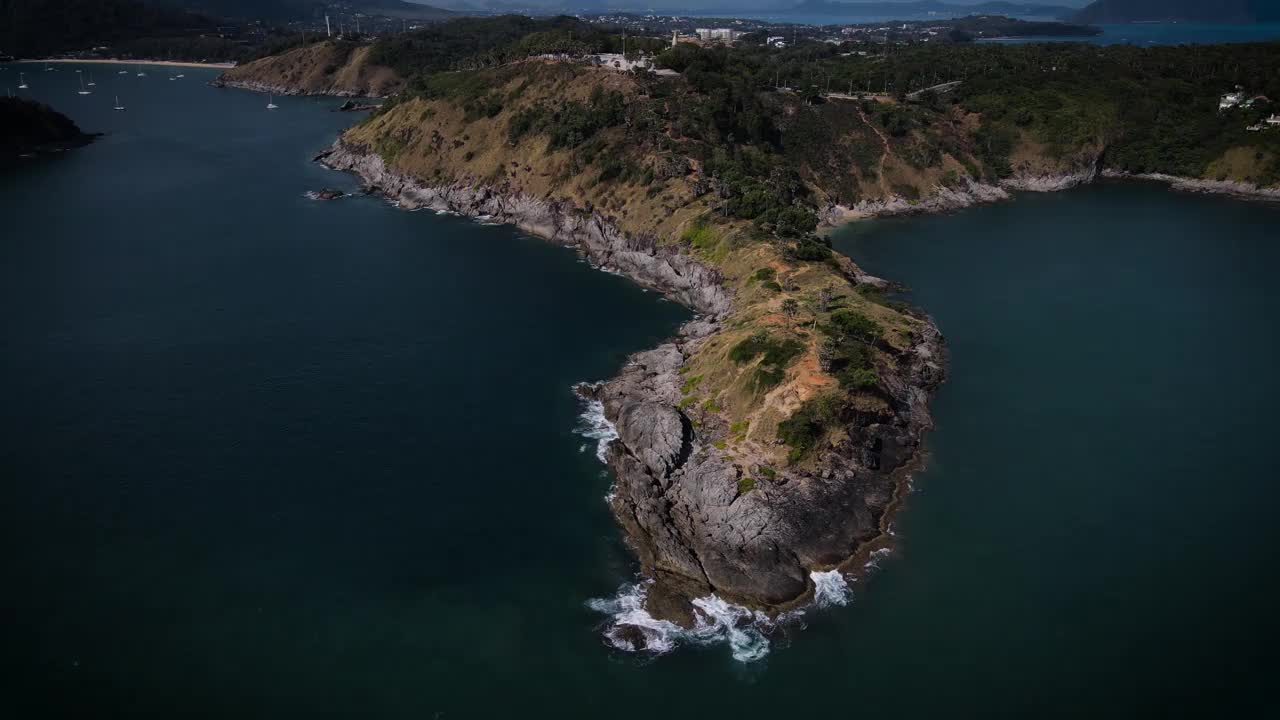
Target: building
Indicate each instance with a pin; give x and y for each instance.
(1230, 100)
(718, 34)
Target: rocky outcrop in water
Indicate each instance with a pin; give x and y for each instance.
(693, 525)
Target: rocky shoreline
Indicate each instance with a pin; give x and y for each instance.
(695, 531)
(222, 82)
(948, 199)
(1210, 187)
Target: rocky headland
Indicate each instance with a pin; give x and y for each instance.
(29, 128)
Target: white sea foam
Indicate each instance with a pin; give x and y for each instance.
(829, 588)
(628, 617)
(873, 562)
(592, 424)
(714, 621)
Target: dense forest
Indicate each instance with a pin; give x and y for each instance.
(780, 136)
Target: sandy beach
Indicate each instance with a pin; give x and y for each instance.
(101, 61)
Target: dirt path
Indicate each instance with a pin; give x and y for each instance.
(884, 156)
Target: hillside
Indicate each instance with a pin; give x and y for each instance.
(323, 68)
(28, 127)
(770, 439)
(1222, 11)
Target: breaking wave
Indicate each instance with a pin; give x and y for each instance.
(830, 589)
(747, 632)
(593, 425)
(632, 629)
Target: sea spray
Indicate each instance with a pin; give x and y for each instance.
(593, 425)
(830, 589)
(873, 561)
(631, 628)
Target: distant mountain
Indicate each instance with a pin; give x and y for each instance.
(1211, 11)
(285, 10)
(929, 8)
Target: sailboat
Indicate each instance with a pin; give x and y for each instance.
(82, 90)
(91, 82)
(118, 106)
(22, 81)
(271, 103)
(125, 71)
(142, 73)
(180, 76)
(48, 68)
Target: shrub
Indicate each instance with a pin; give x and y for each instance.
(807, 424)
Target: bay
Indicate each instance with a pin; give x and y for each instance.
(267, 456)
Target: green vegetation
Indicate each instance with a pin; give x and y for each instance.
(808, 424)
(746, 485)
(846, 349)
(569, 124)
(775, 356)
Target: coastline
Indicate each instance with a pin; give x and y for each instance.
(114, 61)
(222, 82)
(949, 199)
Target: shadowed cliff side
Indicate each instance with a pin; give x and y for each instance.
(30, 128)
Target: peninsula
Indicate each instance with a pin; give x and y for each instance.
(771, 439)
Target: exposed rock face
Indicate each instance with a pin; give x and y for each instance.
(942, 199)
(281, 88)
(677, 497)
(640, 258)
(694, 530)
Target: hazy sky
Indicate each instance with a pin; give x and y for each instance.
(694, 5)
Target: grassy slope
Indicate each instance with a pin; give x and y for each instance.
(325, 67)
(437, 142)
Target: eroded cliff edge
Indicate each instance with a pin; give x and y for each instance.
(703, 518)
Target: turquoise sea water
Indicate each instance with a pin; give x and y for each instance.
(271, 457)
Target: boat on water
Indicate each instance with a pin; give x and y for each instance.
(271, 103)
(91, 82)
(83, 91)
(22, 81)
(118, 106)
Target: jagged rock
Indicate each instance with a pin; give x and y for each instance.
(353, 106)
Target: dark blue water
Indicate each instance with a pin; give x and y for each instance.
(264, 456)
(1146, 34)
